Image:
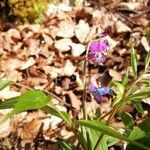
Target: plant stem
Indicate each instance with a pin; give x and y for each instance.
(118, 105)
(85, 83)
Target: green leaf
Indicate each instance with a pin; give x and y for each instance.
(134, 62)
(127, 120)
(147, 60)
(137, 133)
(4, 83)
(8, 103)
(101, 127)
(145, 126)
(27, 101)
(93, 136)
(138, 106)
(139, 138)
(125, 79)
(119, 90)
(65, 145)
(82, 136)
(143, 90)
(55, 111)
(111, 140)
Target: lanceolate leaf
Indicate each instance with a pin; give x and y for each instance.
(27, 101)
(134, 62)
(101, 127)
(125, 79)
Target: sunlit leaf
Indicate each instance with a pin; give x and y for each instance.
(101, 127)
(4, 83)
(27, 101)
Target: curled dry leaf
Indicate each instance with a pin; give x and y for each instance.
(77, 49)
(63, 45)
(66, 29)
(68, 69)
(82, 30)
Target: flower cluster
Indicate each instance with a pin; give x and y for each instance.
(98, 92)
(98, 49)
(96, 55)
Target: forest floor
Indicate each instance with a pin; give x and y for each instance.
(50, 56)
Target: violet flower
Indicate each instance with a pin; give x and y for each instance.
(98, 92)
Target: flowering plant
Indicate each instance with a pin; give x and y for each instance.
(89, 131)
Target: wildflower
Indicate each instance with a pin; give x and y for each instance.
(97, 51)
(98, 92)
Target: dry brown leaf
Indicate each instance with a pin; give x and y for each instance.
(47, 39)
(115, 75)
(77, 49)
(12, 33)
(66, 29)
(75, 102)
(31, 129)
(122, 27)
(145, 43)
(68, 69)
(31, 61)
(63, 45)
(82, 30)
(6, 93)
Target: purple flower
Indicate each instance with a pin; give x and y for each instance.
(98, 92)
(97, 51)
(99, 46)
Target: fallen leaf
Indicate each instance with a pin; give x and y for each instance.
(77, 49)
(68, 69)
(82, 30)
(31, 61)
(63, 45)
(66, 29)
